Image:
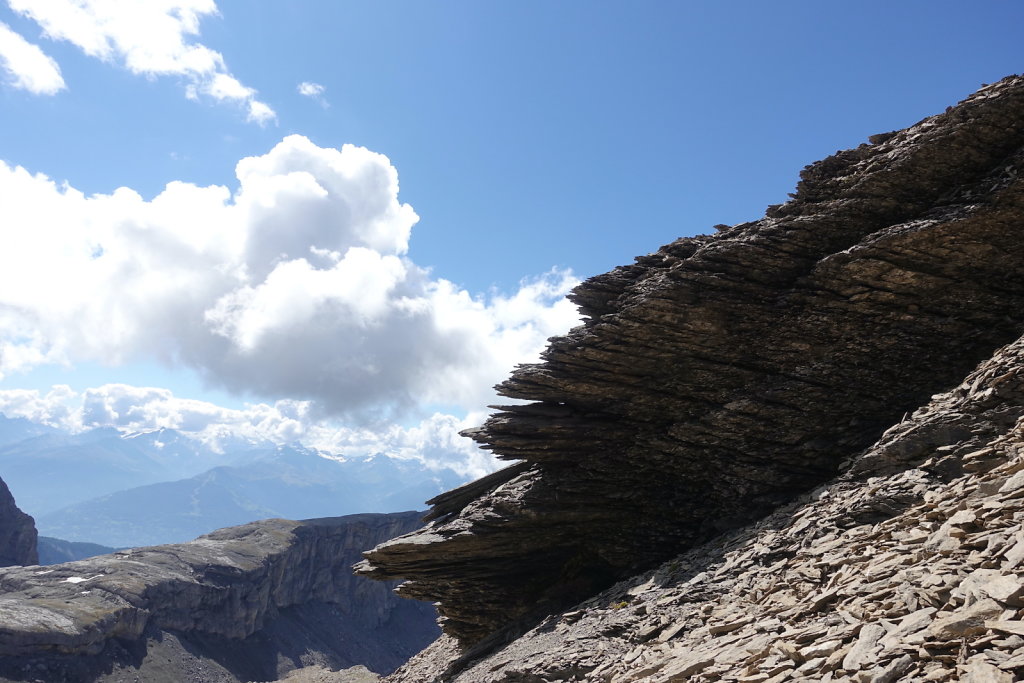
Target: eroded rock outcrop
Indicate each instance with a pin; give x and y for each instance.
(908, 567)
(17, 532)
(243, 603)
(723, 376)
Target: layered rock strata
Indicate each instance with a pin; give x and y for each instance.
(908, 567)
(17, 532)
(243, 603)
(722, 376)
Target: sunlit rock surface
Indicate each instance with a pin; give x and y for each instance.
(243, 603)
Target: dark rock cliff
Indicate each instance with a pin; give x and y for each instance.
(722, 376)
(17, 532)
(243, 603)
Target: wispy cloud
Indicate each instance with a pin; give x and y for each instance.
(153, 38)
(27, 66)
(297, 285)
(310, 89)
(314, 91)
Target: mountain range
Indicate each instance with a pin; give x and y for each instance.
(124, 490)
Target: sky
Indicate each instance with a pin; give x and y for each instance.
(342, 222)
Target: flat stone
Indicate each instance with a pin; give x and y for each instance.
(865, 648)
(976, 671)
(992, 583)
(1006, 626)
(682, 669)
(894, 671)
(1014, 483)
(967, 621)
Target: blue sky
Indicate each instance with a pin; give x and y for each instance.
(543, 141)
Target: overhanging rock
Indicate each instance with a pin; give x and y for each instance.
(721, 376)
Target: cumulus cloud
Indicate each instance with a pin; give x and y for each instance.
(27, 66)
(433, 441)
(53, 408)
(296, 285)
(152, 38)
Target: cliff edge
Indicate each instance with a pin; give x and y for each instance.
(18, 534)
(246, 603)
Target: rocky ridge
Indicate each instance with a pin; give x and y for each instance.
(17, 532)
(243, 603)
(721, 378)
(909, 566)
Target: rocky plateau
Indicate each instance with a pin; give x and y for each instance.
(247, 603)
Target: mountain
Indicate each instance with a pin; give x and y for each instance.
(17, 532)
(56, 550)
(791, 450)
(288, 481)
(54, 469)
(242, 604)
(14, 429)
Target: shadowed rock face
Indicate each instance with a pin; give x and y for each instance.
(242, 603)
(721, 376)
(17, 532)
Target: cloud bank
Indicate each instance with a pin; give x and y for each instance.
(150, 38)
(434, 441)
(296, 286)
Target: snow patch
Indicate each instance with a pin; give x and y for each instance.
(80, 579)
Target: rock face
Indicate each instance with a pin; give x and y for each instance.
(245, 603)
(722, 377)
(17, 532)
(909, 566)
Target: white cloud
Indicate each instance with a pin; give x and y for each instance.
(310, 89)
(434, 441)
(52, 409)
(27, 66)
(296, 286)
(260, 112)
(151, 38)
(313, 91)
(225, 87)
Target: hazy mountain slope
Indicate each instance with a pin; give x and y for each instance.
(290, 483)
(56, 469)
(56, 550)
(14, 429)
